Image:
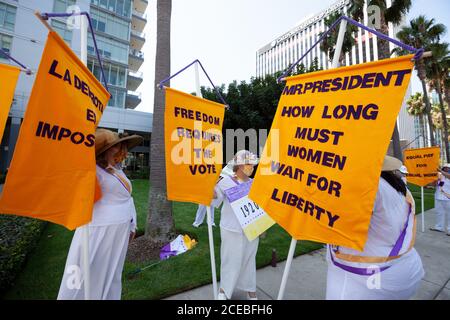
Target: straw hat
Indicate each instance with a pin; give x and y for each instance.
(391, 164)
(105, 139)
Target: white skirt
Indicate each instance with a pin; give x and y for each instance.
(399, 282)
(107, 251)
(237, 262)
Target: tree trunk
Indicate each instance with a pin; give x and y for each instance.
(385, 53)
(446, 94)
(420, 65)
(444, 119)
(160, 224)
(428, 112)
(422, 130)
(383, 45)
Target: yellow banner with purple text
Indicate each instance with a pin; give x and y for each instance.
(319, 172)
(193, 146)
(422, 165)
(8, 80)
(52, 173)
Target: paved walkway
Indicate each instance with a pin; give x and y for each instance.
(307, 279)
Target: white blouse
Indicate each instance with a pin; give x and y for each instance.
(228, 219)
(446, 188)
(387, 223)
(116, 205)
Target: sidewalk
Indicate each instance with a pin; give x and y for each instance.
(307, 278)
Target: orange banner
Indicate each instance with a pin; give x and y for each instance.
(8, 81)
(193, 146)
(319, 172)
(52, 173)
(422, 165)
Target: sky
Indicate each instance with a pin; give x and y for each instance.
(225, 35)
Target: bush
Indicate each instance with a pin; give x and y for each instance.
(18, 236)
(141, 173)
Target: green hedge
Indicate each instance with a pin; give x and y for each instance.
(18, 236)
(142, 173)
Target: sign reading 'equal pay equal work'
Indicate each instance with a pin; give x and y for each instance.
(319, 172)
(422, 165)
(193, 146)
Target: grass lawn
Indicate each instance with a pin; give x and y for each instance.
(428, 197)
(43, 271)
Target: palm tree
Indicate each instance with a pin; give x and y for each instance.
(328, 44)
(160, 224)
(416, 108)
(422, 33)
(393, 14)
(436, 72)
(437, 115)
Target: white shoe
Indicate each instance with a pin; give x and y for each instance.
(195, 225)
(221, 296)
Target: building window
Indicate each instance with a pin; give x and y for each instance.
(63, 31)
(109, 24)
(109, 49)
(115, 75)
(118, 98)
(5, 45)
(62, 5)
(120, 7)
(7, 16)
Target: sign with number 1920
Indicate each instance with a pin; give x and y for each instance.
(251, 217)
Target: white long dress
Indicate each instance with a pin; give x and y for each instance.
(113, 218)
(402, 279)
(237, 254)
(442, 204)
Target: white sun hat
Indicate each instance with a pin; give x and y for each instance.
(403, 170)
(391, 164)
(243, 157)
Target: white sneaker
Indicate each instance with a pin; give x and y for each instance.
(221, 296)
(195, 225)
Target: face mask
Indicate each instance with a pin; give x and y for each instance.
(248, 170)
(120, 156)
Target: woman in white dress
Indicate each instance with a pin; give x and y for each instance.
(389, 268)
(237, 254)
(112, 226)
(442, 201)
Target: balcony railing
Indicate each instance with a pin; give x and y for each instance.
(137, 74)
(138, 34)
(134, 95)
(140, 14)
(137, 53)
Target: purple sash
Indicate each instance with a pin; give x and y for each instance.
(122, 182)
(238, 191)
(394, 252)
